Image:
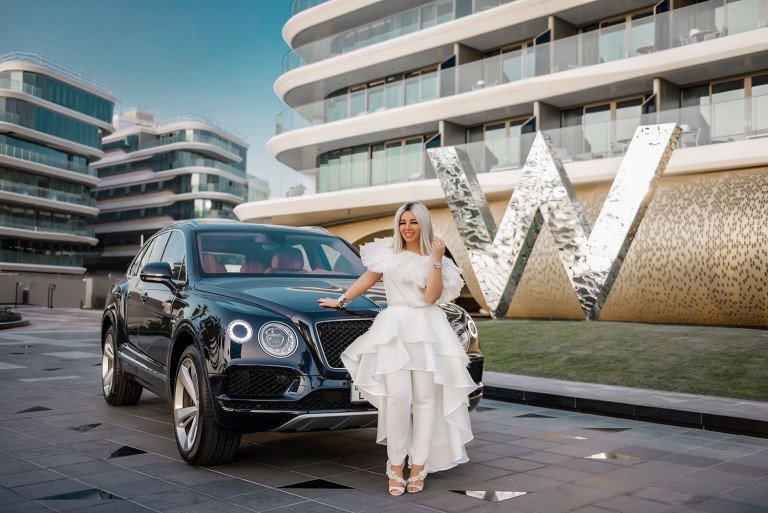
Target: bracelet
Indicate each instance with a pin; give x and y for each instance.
(437, 265)
(342, 301)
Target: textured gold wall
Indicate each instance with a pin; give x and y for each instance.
(700, 255)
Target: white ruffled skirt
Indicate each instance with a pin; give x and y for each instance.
(417, 338)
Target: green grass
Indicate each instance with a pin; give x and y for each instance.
(726, 362)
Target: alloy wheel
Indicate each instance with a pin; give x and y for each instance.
(186, 409)
(108, 365)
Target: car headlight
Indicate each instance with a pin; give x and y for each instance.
(239, 331)
(463, 333)
(277, 339)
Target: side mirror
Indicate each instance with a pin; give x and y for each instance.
(158, 272)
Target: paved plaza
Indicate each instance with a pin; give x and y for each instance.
(63, 448)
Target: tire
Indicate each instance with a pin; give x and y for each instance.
(117, 389)
(200, 440)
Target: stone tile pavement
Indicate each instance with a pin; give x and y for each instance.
(62, 448)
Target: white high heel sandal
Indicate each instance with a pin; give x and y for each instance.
(413, 488)
(395, 490)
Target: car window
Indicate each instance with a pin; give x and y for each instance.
(276, 253)
(174, 254)
(139, 262)
(155, 254)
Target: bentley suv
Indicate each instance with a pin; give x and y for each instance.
(222, 321)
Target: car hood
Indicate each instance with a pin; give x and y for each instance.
(290, 295)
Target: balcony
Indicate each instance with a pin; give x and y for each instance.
(706, 124)
(298, 6)
(689, 25)
(41, 158)
(15, 257)
(412, 20)
(70, 227)
(194, 137)
(45, 193)
(38, 59)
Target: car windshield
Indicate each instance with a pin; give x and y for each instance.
(276, 253)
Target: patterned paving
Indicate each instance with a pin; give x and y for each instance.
(63, 448)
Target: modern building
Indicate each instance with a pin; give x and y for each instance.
(154, 173)
(371, 84)
(52, 120)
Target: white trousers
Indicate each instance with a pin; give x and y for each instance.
(409, 392)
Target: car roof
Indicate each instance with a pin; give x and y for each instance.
(219, 226)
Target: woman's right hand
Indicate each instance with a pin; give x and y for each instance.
(328, 302)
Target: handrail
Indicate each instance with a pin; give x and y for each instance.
(46, 193)
(208, 121)
(36, 58)
(41, 158)
(302, 5)
(74, 228)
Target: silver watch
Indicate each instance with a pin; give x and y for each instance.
(342, 301)
(437, 265)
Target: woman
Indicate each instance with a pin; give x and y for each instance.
(410, 361)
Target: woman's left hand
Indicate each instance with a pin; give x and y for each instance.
(327, 302)
(438, 249)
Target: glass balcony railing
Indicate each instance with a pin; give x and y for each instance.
(41, 158)
(39, 259)
(688, 25)
(396, 25)
(705, 124)
(185, 137)
(41, 192)
(20, 87)
(38, 59)
(70, 227)
(302, 5)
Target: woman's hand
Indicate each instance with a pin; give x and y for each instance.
(438, 249)
(328, 302)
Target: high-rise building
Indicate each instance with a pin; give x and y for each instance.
(371, 84)
(154, 173)
(52, 120)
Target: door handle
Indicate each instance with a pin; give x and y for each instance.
(144, 297)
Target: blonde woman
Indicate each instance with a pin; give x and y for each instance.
(410, 364)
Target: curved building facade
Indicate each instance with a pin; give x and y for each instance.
(154, 173)
(370, 85)
(52, 122)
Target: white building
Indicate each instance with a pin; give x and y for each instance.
(370, 84)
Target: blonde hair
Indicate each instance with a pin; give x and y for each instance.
(425, 225)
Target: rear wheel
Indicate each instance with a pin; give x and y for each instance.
(117, 390)
(199, 438)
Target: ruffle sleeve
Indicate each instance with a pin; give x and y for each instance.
(452, 281)
(377, 255)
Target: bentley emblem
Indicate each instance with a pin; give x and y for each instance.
(544, 194)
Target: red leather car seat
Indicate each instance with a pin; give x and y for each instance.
(287, 260)
(253, 266)
(211, 264)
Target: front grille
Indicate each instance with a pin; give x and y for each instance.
(336, 336)
(475, 369)
(245, 383)
(319, 400)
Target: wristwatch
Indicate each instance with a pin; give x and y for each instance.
(342, 301)
(437, 265)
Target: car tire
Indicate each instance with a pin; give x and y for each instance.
(200, 440)
(117, 389)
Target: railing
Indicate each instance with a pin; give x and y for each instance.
(302, 5)
(71, 227)
(705, 124)
(38, 59)
(176, 164)
(21, 87)
(184, 137)
(38, 259)
(396, 25)
(208, 121)
(41, 158)
(51, 194)
(258, 189)
(688, 25)
(235, 190)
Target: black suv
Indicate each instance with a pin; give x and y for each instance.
(222, 320)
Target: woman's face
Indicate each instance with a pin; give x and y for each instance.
(409, 227)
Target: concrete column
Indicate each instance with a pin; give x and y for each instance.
(667, 94)
(547, 116)
(560, 28)
(452, 134)
(465, 54)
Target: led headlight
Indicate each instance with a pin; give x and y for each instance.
(277, 339)
(462, 333)
(239, 331)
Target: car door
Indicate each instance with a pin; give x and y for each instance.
(156, 333)
(152, 297)
(134, 311)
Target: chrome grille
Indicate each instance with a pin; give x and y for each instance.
(336, 336)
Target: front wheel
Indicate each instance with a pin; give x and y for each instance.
(117, 390)
(199, 438)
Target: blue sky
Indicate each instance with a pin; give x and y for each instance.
(216, 57)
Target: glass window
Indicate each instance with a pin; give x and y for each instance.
(394, 164)
(377, 164)
(174, 254)
(143, 259)
(156, 253)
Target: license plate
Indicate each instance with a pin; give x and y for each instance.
(356, 394)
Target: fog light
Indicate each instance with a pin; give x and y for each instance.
(239, 331)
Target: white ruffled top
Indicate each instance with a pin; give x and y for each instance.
(407, 267)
